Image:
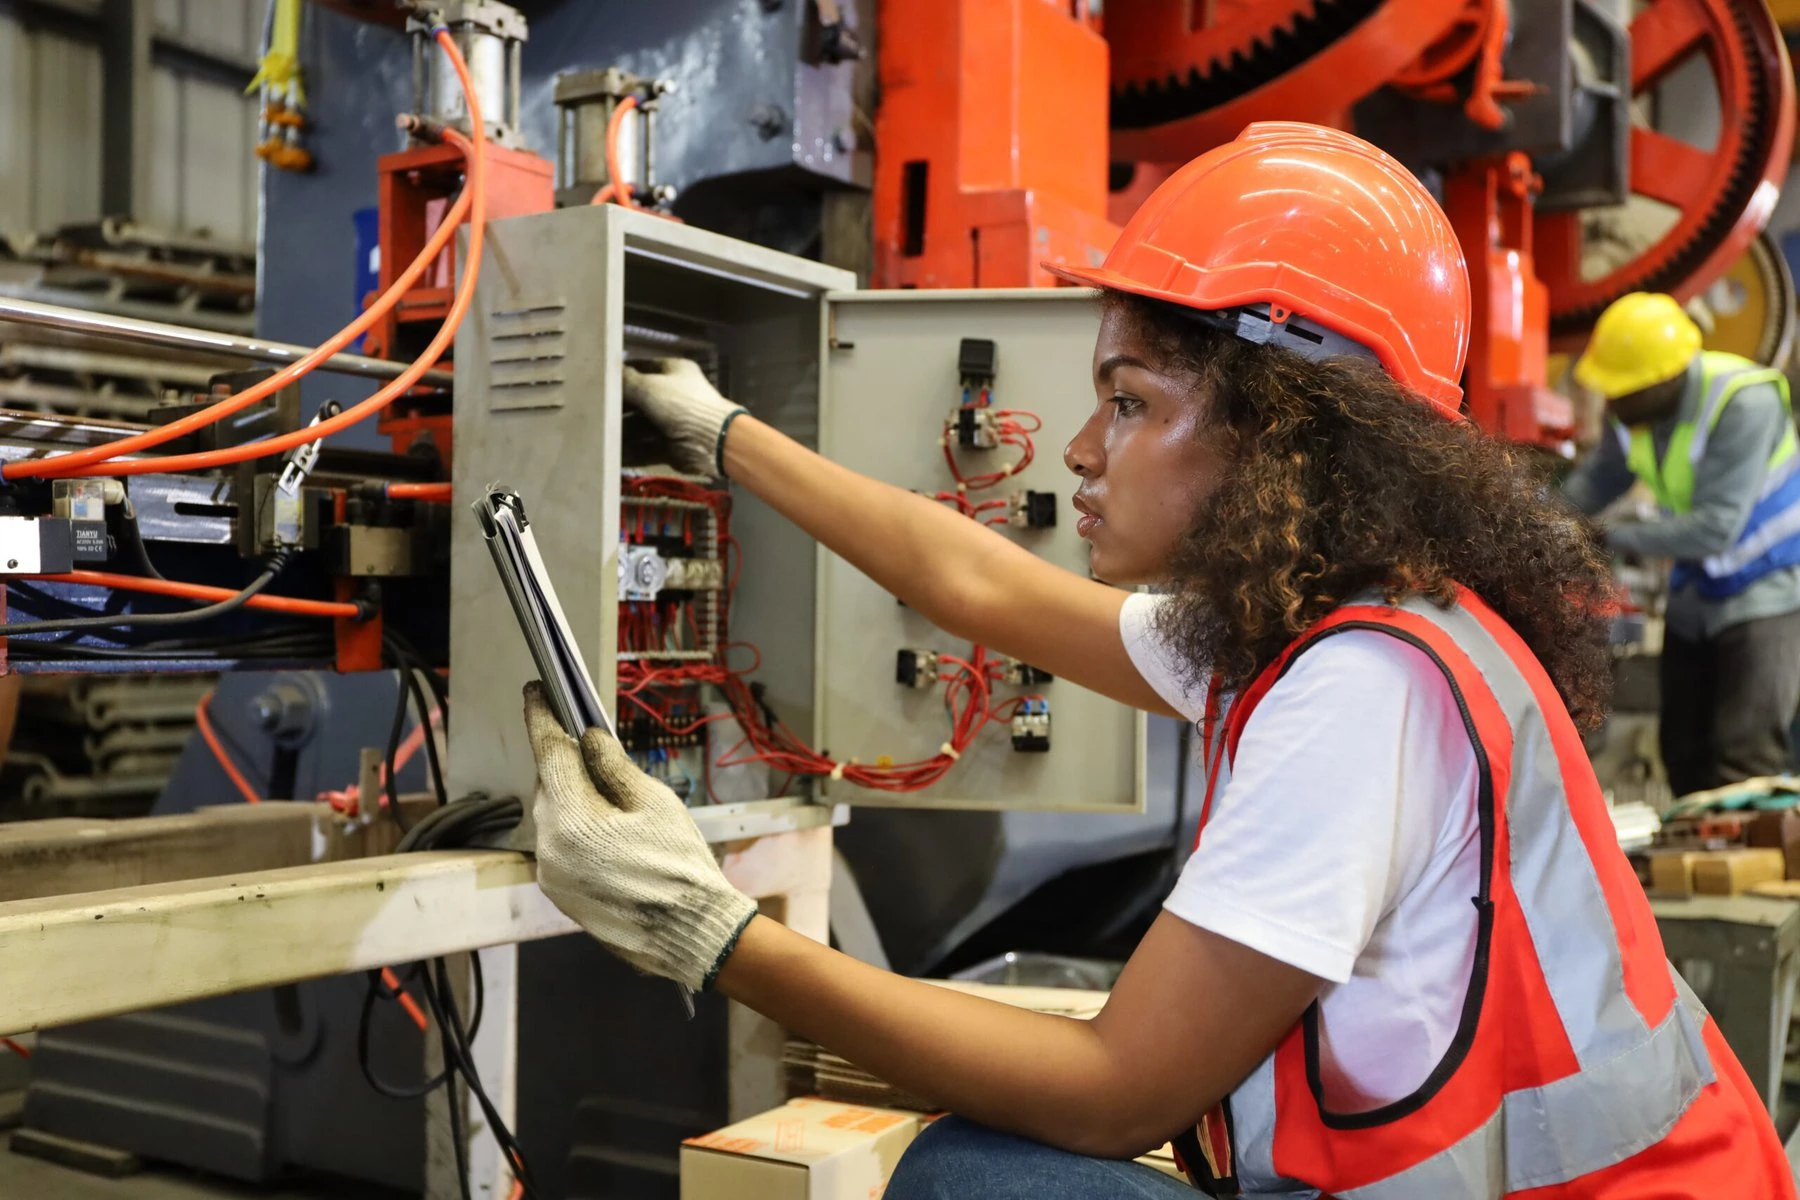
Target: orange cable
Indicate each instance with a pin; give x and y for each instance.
(72, 461)
(616, 190)
(476, 155)
(291, 605)
(518, 1190)
(407, 1002)
(431, 493)
(15, 1047)
(204, 723)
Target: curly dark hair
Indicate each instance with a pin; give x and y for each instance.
(1340, 481)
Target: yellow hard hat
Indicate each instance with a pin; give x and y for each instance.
(1641, 340)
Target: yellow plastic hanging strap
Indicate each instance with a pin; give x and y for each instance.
(280, 68)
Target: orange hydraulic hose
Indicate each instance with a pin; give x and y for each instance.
(616, 190)
(200, 591)
(465, 294)
(62, 465)
(432, 493)
(203, 722)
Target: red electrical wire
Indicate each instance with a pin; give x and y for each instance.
(1011, 430)
(291, 605)
(62, 465)
(203, 722)
(431, 493)
(967, 691)
(15, 1047)
(475, 154)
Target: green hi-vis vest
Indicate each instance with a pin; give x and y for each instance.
(1722, 376)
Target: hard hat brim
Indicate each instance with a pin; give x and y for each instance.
(1443, 394)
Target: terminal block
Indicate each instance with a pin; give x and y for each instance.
(916, 668)
(1031, 726)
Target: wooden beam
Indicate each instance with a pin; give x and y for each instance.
(65, 855)
(117, 951)
(100, 953)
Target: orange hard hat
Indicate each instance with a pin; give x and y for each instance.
(1312, 239)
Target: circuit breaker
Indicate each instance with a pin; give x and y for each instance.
(754, 672)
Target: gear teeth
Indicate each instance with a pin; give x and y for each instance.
(1270, 55)
(1678, 264)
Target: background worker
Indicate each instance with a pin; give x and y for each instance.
(1407, 958)
(1712, 436)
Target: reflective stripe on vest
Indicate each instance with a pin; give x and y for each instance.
(1771, 536)
(1671, 481)
(1631, 1079)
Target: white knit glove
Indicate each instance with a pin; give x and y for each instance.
(619, 854)
(679, 400)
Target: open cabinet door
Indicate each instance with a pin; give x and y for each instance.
(894, 375)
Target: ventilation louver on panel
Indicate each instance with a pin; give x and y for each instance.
(525, 357)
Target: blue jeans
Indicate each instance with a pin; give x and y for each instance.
(956, 1159)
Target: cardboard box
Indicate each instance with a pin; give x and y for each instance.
(807, 1149)
(1779, 831)
(1672, 871)
(1732, 872)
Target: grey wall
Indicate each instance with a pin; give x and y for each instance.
(204, 173)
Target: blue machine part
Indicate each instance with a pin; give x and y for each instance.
(293, 734)
(368, 260)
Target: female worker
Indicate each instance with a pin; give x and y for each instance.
(1407, 958)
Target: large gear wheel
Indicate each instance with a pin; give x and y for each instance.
(1179, 87)
(1721, 197)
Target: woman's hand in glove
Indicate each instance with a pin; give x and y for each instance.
(618, 853)
(677, 397)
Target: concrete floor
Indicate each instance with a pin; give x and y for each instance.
(22, 1177)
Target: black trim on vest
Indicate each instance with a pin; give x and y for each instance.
(1458, 1050)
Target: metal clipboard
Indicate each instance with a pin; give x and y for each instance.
(565, 677)
(527, 581)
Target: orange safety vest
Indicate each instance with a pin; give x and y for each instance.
(1583, 1064)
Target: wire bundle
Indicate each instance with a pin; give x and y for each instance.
(1013, 427)
(968, 682)
(468, 821)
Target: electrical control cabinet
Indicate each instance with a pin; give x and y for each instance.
(878, 381)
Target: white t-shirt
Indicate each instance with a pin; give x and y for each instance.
(1346, 843)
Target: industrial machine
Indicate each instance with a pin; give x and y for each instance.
(768, 683)
(1556, 131)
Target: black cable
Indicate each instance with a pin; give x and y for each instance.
(377, 988)
(404, 650)
(457, 824)
(443, 1001)
(284, 651)
(417, 690)
(392, 783)
(131, 541)
(35, 599)
(183, 617)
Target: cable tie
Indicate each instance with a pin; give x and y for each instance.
(1007, 469)
(962, 489)
(950, 752)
